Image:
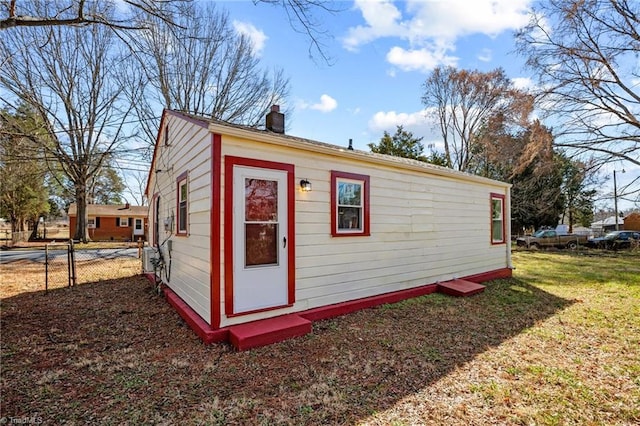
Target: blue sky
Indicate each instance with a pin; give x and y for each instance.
(381, 52)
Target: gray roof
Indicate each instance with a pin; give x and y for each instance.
(103, 210)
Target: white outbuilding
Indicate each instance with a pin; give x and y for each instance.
(258, 233)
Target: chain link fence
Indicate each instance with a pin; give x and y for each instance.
(58, 265)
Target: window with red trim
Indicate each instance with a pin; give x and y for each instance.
(349, 204)
(183, 204)
(497, 219)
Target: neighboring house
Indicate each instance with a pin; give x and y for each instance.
(632, 221)
(113, 222)
(608, 224)
(254, 224)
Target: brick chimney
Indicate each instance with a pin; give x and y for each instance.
(275, 120)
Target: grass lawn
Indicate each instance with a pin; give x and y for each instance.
(558, 344)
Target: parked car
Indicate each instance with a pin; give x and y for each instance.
(550, 238)
(615, 240)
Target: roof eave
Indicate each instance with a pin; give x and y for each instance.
(302, 144)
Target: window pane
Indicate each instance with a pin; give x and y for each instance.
(261, 200)
(496, 230)
(182, 217)
(349, 194)
(497, 209)
(261, 244)
(350, 218)
(183, 191)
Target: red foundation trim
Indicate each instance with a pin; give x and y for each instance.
(338, 309)
(489, 276)
(197, 324)
(248, 335)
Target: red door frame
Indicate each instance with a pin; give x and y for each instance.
(229, 163)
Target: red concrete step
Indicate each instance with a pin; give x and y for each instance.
(265, 332)
(460, 288)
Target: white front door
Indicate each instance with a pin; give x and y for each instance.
(260, 262)
(138, 229)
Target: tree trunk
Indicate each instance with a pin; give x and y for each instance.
(82, 217)
(34, 231)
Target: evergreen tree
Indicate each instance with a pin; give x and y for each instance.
(24, 198)
(401, 144)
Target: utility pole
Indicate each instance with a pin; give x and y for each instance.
(615, 198)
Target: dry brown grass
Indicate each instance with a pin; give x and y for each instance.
(556, 344)
(27, 276)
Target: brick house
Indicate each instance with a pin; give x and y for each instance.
(632, 221)
(120, 222)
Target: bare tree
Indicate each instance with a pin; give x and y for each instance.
(34, 13)
(302, 15)
(202, 66)
(303, 19)
(585, 55)
(69, 75)
(463, 101)
(135, 187)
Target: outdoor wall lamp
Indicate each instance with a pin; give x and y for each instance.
(305, 185)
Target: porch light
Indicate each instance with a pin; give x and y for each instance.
(305, 185)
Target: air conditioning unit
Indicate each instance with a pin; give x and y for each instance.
(148, 253)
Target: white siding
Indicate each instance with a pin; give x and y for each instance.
(424, 228)
(189, 151)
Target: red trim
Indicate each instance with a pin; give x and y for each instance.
(330, 311)
(215, 220)
(335, 310)
(184, 176)
(165, 113)
(502, 199)
(229, 163)
(200, 122)
(195, 321)
(496, 274)
(209, 334)
(155, 150)
(334, 205)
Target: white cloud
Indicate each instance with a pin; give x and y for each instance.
(326, 104)
(418, 60)
(523, 83)
(256, 36)
(485, 55)
(381, 17)
(385, 120)
(431, 28)
(418, 123)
